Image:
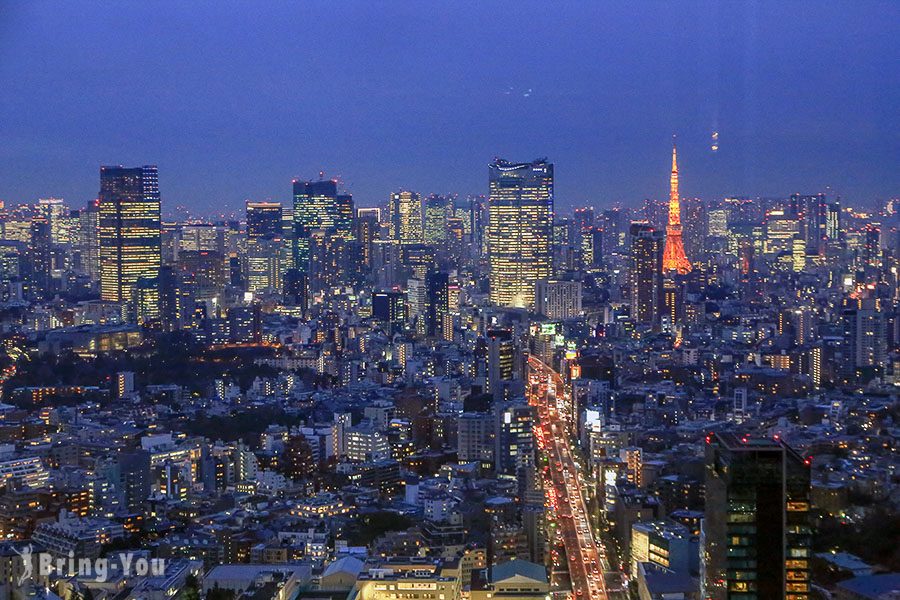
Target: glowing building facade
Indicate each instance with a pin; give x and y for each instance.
(406, 213)
(129, 229)
(520, 230)
(317, 205)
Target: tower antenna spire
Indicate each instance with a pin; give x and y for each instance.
(674, 258)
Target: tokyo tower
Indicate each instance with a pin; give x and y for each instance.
(674, 258)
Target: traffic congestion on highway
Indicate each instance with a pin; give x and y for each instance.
(564, 486)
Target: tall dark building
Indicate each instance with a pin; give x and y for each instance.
(645, 273)
(756, 530)
(437, 303)
(177, 298)
(318, 205)
(134, 479)
(865, 335)
(296, 288)
(812, 211)
(389, 307)
(615, 230)
(40, 253)
(366, 234)
(584, 218)
(501, 362)
(129, 229)
(329, 259)
(264, 220)
(513, 441)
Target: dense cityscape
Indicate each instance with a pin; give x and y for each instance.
(401, 377)
(456, 396)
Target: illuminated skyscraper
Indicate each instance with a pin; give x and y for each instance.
(437, 210)
(833, 222)
(129, 229)
(317, 205)
(645, 273)
(88, 244)
(264, 268)
(407, 225)
(520, 230)
(57, 214)
(674, 258)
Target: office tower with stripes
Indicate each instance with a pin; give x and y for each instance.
(520, 230)
(129, 229)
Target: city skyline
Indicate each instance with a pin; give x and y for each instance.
(494, 358)
(600, 106)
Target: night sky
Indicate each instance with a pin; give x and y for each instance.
(232, 100)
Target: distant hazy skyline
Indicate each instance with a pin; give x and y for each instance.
(233, 100)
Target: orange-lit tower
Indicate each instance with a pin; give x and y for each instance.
(674, 258)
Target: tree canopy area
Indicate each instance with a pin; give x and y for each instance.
(167, 359)
(373, 525)
(246, 425)
(873, 538)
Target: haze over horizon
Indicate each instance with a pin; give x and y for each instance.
(233, 103)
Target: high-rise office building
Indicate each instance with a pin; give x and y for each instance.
(296, 288)
(501, 358)
(865, 334)
(177, 299)
(520, 230)
(833, 222)
(367, 227)
(513, 438)
(134, 474)
(264, 266)
(418, 259)
(615, 230)
(201, 237)
(812, 211)
(645, 273)
(129, 229)
(40, 252)
(328, 254)
(88, 244)
(208, 271)
(437, 308)
(55, 211)
(437, 210)
(264, 220)
(318, 205)
(389, 307)
(584, 218)
(756, 531)
(475, 438)
(406, 212)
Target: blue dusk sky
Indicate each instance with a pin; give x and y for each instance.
(234, 99)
